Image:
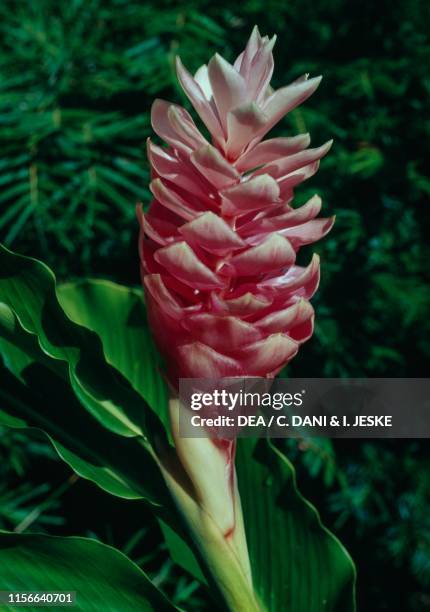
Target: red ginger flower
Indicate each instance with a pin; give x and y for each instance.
(219, 241)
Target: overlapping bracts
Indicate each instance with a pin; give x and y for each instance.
(218, 244)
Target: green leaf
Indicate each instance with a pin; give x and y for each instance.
(297, 564)
(112, 326)
(181, 553)
(43, 402)
(105, 307)
(27, 287)
(59, 382)
(103, 578)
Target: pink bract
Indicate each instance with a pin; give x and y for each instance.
(218, 244)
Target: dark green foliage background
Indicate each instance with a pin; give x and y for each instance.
(77, 80)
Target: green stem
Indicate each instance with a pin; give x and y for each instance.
(207, 496)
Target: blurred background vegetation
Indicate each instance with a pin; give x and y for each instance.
(77, 79)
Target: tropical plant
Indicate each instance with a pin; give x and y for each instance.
(80, 366)
(89, 348)
(76, 84)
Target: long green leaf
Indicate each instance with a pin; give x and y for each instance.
(122, 466)
(103, 578)
(297, 564)
(27, 287)
(42, 401)
(105, 307)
